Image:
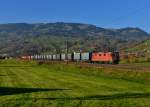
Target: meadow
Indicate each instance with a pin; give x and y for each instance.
(32, 84)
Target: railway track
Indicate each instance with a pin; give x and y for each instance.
(126, 67)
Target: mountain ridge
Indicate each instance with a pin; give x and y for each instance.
(24, 38)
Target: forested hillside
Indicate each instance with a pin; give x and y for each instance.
(22, 38)
(141, 47)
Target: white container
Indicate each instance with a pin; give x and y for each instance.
(50, 57)
(35, 57)
(76, 56)
(58, 56)
(54, 57)
(85, 56)
(69, 56)
(38, 57)
(63, 56)
(32, 57)
(47, 57)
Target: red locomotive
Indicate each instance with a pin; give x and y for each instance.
(105, 57)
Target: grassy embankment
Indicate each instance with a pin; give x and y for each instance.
(30, 84)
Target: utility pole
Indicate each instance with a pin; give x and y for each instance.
(67, 50)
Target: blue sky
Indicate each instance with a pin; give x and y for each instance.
(102, 13)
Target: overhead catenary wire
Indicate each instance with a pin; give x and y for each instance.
(128, 15)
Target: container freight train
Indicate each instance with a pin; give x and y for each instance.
(94, 57)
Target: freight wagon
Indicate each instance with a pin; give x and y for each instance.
(63, 57)
(53, 57)
(86, 57)
(76, 56)
(69, 57)
(58, 57)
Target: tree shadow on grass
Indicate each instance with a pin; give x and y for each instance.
(13, 91)
(105, 97)
(2, 75)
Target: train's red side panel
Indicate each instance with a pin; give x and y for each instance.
(112, 57)
(99, 56)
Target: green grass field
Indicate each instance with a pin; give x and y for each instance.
(29, 84)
